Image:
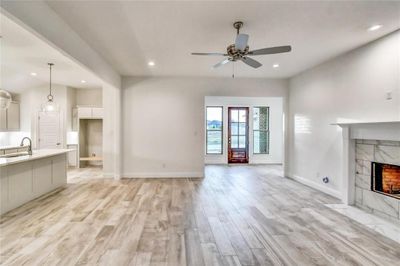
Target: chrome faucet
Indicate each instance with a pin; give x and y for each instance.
(30, 145)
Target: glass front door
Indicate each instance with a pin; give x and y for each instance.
(238, 132)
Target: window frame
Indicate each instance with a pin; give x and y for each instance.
(258, 130)
(222, 130)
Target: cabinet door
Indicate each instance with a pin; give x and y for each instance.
(4, 189)
(8, 151)
(59, 165)
(13, 116)
(20, 184)
(97, 112)
(3, 120)
(85, 112)
(72, 155)
(42, 176)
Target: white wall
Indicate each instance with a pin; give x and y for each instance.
(275, 105)
(163, 121)
(70, 104)
(350, 87)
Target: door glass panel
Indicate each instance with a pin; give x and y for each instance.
(242, 115)
(242, 128)
(234, 129)
(234, 116)
(242, 141)
(234, 141)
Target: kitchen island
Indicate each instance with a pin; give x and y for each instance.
(24, 178)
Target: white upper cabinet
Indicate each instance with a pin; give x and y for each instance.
(13, 119)
(97, 112)
(88, 113)
(3, 120)
(84, 112)
(10, 118)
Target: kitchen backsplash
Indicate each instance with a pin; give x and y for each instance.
(12, 138)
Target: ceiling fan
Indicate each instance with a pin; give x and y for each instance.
(239, 51)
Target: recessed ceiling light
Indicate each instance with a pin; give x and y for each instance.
(33, 74)
(374, 27)
(83, 81)
(151, 63)
(275, 65)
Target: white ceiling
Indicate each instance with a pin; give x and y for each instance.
(23, 53)
(128, 34)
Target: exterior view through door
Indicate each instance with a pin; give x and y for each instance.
(238, 135)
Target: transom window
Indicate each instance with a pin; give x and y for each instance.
(261, 130)
(214, 129)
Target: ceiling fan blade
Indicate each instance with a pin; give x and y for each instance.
(220, 54)
(251, 62)
(221, 63)
(272, 50)
(241, 41)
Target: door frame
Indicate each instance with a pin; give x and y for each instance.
(229, 159)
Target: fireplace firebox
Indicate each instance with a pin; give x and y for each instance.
(385, 179)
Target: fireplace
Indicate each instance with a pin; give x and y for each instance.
(385, 179)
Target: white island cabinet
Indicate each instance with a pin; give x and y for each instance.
(25, 178)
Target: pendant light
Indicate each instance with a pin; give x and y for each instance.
(5, 99)
(50, 106)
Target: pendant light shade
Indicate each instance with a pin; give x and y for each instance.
(5, 99)
(50, 105)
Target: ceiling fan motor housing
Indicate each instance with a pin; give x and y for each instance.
(234, 54)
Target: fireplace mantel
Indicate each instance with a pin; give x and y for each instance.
(377, 130)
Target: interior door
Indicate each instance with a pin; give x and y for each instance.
(238, 134)
(49, 130)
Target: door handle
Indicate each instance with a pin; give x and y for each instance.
(58, 143)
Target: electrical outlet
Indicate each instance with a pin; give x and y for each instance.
(389, 95)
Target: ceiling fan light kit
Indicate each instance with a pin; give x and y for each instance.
(239, 51)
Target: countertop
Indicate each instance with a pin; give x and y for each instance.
(37, 154)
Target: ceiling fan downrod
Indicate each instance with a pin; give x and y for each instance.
(237, 25)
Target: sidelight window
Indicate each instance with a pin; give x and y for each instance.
(261, 130)
(214, 129)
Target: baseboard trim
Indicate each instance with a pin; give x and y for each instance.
(108, 175)
(164, 175)
(330, 191)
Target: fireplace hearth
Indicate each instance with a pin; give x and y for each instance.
(385, 179)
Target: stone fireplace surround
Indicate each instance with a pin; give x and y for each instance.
(364, 143)
(368, 151)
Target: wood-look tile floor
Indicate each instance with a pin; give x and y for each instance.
(234, 216)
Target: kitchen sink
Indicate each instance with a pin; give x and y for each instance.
(12, 155)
